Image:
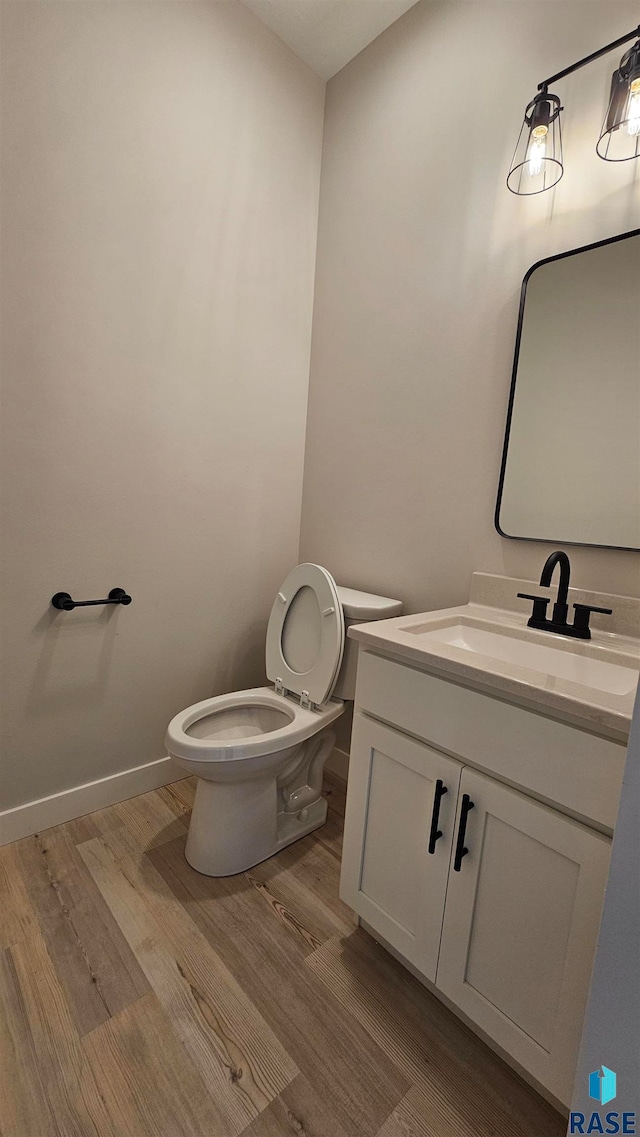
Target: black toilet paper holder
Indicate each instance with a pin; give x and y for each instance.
(63, 601)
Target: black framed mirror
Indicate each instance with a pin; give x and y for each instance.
(570, 469)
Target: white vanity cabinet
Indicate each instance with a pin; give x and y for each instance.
(503, 917)
(520, 926)
(397, 845)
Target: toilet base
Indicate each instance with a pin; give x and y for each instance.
(235, 826)
(292, 826)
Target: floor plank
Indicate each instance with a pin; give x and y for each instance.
(17, 917)
(457, 1073)
(93, 961)
(301, 884)
(330, 835)
(179, 796)
(147, 818)
(25, 1107)
(455, 1109)
(53, 1091)
(413, 1117)
(238, 1056)
(298, 1112)
(79, 830)
(330, 1047)
(149, 1083)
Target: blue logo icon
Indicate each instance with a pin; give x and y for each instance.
(602, 1088)
(602, 1085)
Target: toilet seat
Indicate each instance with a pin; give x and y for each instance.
(300, 723)
(305, 635)
(304, 647)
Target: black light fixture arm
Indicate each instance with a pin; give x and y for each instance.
(635, 34)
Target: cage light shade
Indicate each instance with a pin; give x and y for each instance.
(619, 139)
(537, 163)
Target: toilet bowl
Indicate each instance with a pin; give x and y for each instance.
(259, 755)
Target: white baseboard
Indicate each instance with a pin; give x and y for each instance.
(338, 764)
(34, 816)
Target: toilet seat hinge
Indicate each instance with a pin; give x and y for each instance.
(279, 686)
(305, 701)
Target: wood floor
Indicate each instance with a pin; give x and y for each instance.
(144, 1000)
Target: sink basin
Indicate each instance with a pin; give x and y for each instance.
(561, 662)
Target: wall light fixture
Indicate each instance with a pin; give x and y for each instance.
(620, 135)
(537, 162)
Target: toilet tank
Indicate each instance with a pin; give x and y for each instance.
(359, 608)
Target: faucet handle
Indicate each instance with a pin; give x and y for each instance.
(539, 614)
(583, 612)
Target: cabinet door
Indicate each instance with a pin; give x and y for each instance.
(520, 926)
(400, 810)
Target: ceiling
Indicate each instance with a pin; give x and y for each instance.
(326, 34)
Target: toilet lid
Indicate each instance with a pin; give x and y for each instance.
(305, 635)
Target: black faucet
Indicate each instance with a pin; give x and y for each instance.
(558, 623)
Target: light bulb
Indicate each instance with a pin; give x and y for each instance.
(633, 108)
(537, 150)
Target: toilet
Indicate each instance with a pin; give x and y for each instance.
(259, 755)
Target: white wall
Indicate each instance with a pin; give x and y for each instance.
(159, 202)
(421, 253)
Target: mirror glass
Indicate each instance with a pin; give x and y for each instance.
(571, 462)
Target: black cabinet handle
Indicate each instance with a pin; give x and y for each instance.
(436, 833)
(461, 849)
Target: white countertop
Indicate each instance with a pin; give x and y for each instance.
(604, 712)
